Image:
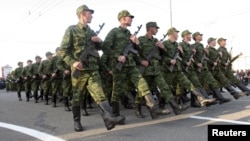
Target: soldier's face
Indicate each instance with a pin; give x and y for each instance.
(127, 20)
(175, 36)
(38, 60)
(29, 63)
(87, 16)
(49, 57)
(188, 37)
(223, 43)
(153, 30)
(213, 43)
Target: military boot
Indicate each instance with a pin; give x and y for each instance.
(234, 93)
(194, 102)
(46, 97)
(205, 94)
(54, 100)
(106, 113)
(138, 112)
(84, 108)
(27, 97)
(77, 119)
(220, 97)
(203, 101)
(176, 107)
(35, 97)
(116, 111)
(243, 88)
(19, 96)
(66, 104)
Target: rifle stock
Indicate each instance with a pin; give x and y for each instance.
(176, 56)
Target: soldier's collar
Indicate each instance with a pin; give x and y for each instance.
(123, 29)
(152, 37)
(82, 27)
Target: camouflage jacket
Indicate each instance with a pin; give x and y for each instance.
(18, 73)
(172, 48)
(213, 55)
(25, 72)
(55, 69)
(114, 44)
(146, 46)
(187, 53)
(62, 66)
(45, 68)
(105, 63)
(75, 40)
(226, 57)
(33, 69)
(200, 52)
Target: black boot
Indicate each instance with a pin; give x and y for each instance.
(54, 100)
(138, 112)
(234, 93)
(220, 97)
(77, 119)
(46, 97)
(162, 103)
(205, 94)
(185, 98)
(35, 97)
(41, 94)
(243, 88)
(153, 108)
(66, 104)
(116, 111)
(84, 108)
(108, 119)
(27, 97)
(203, 101)
(194, 102)
(19, 96)
(177, 108)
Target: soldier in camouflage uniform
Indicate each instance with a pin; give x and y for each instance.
(36, 78)
(8, 83)
(114, 45)
(45, 70)
(226, 66)
(27, 80)
(77, 39)
(187, 65)
(56, 77)
(176, 76)
(152, 73)
(200, 66)
(19, 79)
(66, 83)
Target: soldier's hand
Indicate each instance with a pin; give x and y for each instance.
(144, 63)
(77, 65)
(194, 50)
(96, 39)
(25, 78)
(134, 39)
(240, 54)
(53, 75)
(111, 72)
(188, 63)
(34, 76)
(226, 64)
(44, 76)
(200, 65)
(67, 72)
(180, 49)
(122, 58)
(215, 63)
(159, 44)
(220, 53)
(206, 51)
(173, 61)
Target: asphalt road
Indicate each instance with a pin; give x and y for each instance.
(27, 121)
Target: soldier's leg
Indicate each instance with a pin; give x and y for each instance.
(95, 89)
(46, 89)
(142, 87)
(84, 102)
(19, 90)
(35, 88)
(66, 84)
(26, 90)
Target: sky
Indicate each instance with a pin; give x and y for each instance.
(33, 27)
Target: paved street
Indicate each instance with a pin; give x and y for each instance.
(27, 121)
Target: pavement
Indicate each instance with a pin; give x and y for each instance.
(29, 121)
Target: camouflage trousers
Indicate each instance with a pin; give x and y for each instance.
(46, 86)
(178, 77)
(19, 87)
(67, 87)
(90, 80)
(207, 79)
(229, 74)
(56, 86)
(27, 86)
(192, 76)
(159, 81)
(132, 74)
(35, 86)
(221, 78)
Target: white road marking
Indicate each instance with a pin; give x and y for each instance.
(221, 120)
(31, 132)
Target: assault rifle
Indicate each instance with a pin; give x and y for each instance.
(190, 60)
(176, 56)
(203, 58)
(217, 61)
(152, 54)
(229, 59)
(129, 48)
(88, 51)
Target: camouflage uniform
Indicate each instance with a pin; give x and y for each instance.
(45, 69)
(36, 79)
(56, 86)
(19, 80)
(227, 70)
(66, 83)
(27, 81)
(8, 83)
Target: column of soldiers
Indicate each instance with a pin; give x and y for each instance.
(147, 71)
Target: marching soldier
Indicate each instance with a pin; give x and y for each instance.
(8, 83)
(172, 68)
(35, 77)
(226, 66)
(45, 70)
(152, 73)
(187, 61)
(115, 43)
(66, 83)
(27, 80)
(19, 79)
(56, 77)
(78, 39)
